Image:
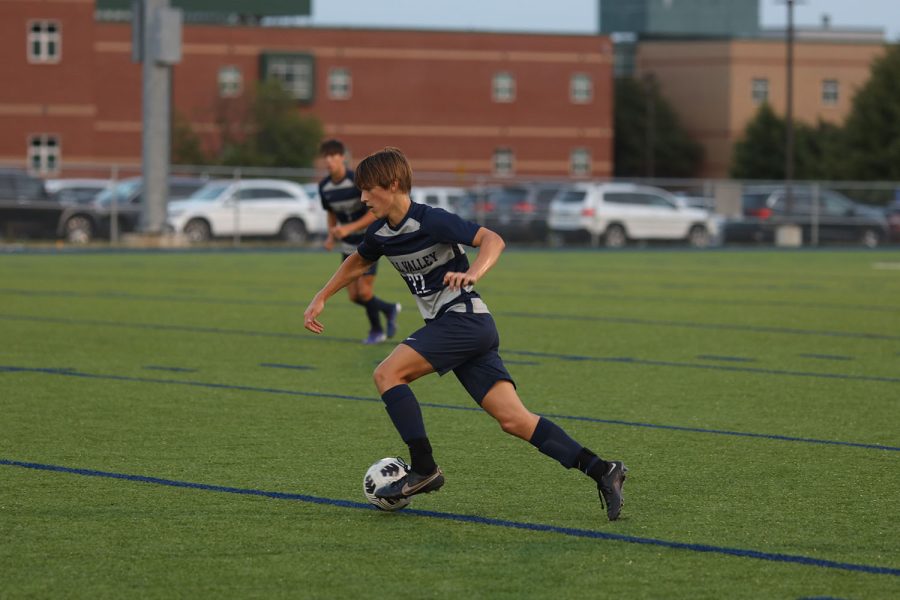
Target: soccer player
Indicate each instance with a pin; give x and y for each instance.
(425, 245)
(347, 219)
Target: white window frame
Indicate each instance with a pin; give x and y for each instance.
(44, 153)
(44, 39)
(580, 162)
(759, 90)
(831, 92)
(340, 83)
(504, 161)
(503, 87)
(581, 88)
(231, 81)
(300, 88)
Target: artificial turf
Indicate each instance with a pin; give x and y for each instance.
(753, 395)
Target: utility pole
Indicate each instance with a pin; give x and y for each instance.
(789, 111)
(788, 234)
(650, 92)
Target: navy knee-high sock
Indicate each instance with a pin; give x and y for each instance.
(405, 413)
(550, 439)
(371, 306)
(381, 305)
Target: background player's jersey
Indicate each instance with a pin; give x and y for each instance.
(344, 200)
(423, 248)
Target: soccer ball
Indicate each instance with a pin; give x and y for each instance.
(383, 472)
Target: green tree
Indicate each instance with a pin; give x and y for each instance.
(187, 148)
(759, 154)
(872, 130)
(818, 151)
(675, 154)
(269, 132)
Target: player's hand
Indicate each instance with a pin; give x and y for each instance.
(310, 320)
(337, 232)
(329, 242)
(455, 280)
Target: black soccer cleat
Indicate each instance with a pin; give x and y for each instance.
(411, 484)
(610, 489)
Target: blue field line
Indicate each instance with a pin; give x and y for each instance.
(826, 356)
(281, 366)
(492, 522)
(113, 295)
(725, 358)
(244, 388)
(514, 314)
(324, 338)
(698, 325)
(173, 369)
(684, 365)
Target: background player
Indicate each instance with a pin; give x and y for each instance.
(347, 220)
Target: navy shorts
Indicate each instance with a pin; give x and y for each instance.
(371, 271)
(467, 344)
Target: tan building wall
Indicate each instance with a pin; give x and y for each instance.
(710, 84)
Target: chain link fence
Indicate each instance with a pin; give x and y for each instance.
(102, 205)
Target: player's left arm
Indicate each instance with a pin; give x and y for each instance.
(490, 245)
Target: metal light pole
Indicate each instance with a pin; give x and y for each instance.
(789, 111)
(156, 42)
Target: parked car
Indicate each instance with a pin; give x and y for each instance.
(448, 198)
(75, 191)
(834, 217)
(517, 212)
(701, 202)
(892, 212)
(618, 212)
(85, 222)
(25, 208)
(250, 207)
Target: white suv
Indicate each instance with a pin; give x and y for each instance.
(618, 212)
(249, 207)
(448, 198)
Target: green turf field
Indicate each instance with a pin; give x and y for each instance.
(191, 374)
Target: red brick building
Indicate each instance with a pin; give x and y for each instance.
(456, 102)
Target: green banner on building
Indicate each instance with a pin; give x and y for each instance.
(235, 7)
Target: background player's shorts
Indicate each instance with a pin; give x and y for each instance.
(467, 344)
(371, 270)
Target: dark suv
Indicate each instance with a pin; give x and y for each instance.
(25, 208)
(517, 212)
(82, 223)
(830, 218)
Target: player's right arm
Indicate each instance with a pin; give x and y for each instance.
(349, 271)
(332, 223)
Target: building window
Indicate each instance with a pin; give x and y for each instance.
(44, 42)
(503, 161)
(340, 84)
(760, 91)
(581, 88)
(830, 92)
(504, 88)
(43, 154)
(295, 71)
(231, 82)
(580, 162)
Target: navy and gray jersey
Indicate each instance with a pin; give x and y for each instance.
(425, 246)
(344, 200)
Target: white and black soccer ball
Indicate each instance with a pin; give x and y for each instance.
(381, 473)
